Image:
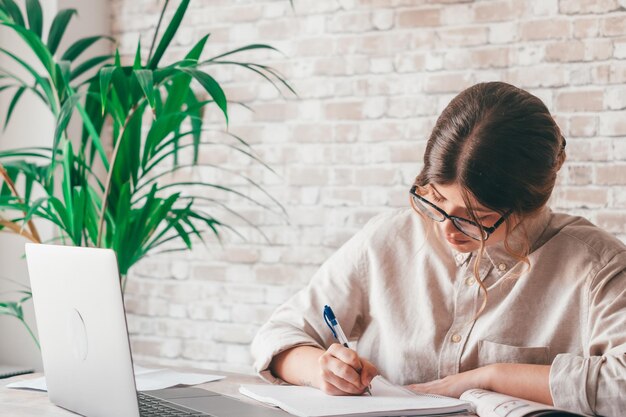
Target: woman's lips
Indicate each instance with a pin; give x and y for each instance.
(456, 241)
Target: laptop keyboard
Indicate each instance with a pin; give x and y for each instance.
(155, 407)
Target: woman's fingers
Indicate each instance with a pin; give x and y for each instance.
(340, 374)
(330, 389)
(346, 355)
(368, 372)
(344, 371)
(345, 387)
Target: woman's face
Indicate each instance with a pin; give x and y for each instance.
(450, 199)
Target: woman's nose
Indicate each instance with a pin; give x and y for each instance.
(449, 228)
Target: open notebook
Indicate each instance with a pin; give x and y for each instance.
(386, 400)
(493, 404)
(393, 400)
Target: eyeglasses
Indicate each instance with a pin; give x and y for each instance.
(467, 227)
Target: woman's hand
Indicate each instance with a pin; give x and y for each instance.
(343, 372)
(455, 385)
(531, 382)
(336, 371)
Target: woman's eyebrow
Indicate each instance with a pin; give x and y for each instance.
(438, 193)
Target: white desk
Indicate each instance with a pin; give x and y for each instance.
(29, 403)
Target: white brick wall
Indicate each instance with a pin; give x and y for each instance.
(372, 75)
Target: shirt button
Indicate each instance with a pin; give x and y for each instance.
(456, 338)
(459, 257)
(470, 281)
(502, 267)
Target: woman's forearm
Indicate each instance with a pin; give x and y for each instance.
(298, 365)
(531, 382)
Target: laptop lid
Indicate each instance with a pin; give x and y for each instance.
(82, 329)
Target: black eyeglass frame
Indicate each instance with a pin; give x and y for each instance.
(487, 231)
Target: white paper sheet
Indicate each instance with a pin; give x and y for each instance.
(38, 384)
(149, 379)
(145, 378)
(386, 400)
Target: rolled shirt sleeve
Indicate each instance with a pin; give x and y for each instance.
(596, 382)
(341, 283)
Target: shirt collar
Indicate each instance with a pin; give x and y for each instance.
(460, 257)
(531, 229)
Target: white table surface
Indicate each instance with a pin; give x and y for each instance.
(30, 403)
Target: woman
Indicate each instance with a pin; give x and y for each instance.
(477, 285)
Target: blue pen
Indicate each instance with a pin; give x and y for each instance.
(335, 327)
(333, 324)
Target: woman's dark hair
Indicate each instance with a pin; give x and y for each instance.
(498, 142)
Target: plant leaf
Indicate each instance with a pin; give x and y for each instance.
(13, 11)
(88, 64)
(62, 219)
(196, 51)
(217, 167)
(14, 101)
(159, 130)
(128, 157)
(245, 48)
(64, 66)
(122, 89)
(44, 56)
(11, 308)
(9, 75)
(216, 186)
(4, 87)
(137, 62)
(169, 34)
(64, 118)
(95, 137)
(106, 74)
(80, 46)
(259, 70)
(93, 214)
(196, 122)
(57, 29)
(118, 59)
(34, 206)
(211, 86)
(93, 113)
(176, 93)
(144, 77)
(79, 202)
(35, 16)
(68, 162)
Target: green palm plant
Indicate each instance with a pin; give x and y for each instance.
(151, 116)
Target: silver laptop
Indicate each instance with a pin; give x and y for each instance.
(85, 347)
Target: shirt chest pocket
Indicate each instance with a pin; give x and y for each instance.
(492, 352)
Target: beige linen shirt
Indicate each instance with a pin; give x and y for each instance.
(409, 302)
